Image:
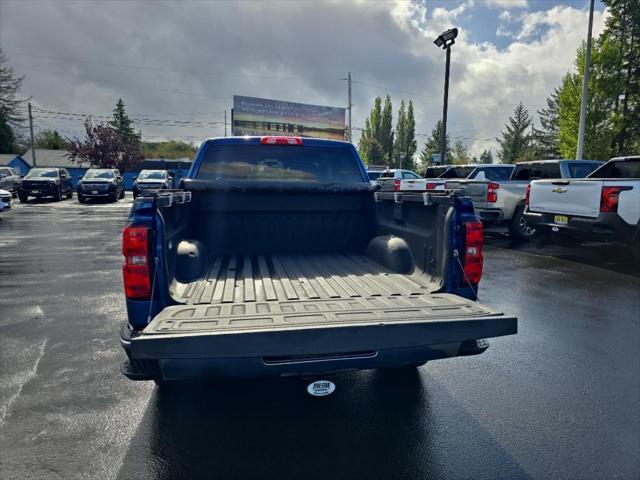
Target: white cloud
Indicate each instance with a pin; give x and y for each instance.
(238, 47)
(505, 16)
(507, 4)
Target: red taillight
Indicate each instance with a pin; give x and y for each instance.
(474, 240)
(609, 198)
(431, 186)
(396, 185)
(492, 195)
(527, 192)
(281, 141)
(136, 272)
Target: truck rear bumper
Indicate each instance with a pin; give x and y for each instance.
(308, 350)
(607, 226)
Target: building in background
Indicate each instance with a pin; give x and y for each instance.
(14, 161)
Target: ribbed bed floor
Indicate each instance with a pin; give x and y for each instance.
(264, 277)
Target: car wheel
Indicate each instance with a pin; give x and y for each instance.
(58, 195)
(518, 226)
(114, 197)
(23, 198)
(122, 194)
(81, 199)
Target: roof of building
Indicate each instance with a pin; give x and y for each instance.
(5, 158)
(51, 158)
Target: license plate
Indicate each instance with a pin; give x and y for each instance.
(95, 192)
(561, 219)
(35, 191)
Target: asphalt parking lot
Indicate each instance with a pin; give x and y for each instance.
(559, 400)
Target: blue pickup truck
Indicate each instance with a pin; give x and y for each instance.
(278, 257)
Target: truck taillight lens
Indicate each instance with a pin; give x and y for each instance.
(474, 240)
(396, 185)
(527, 192)
(431, 186)
(492, 194)
(136, 269)
(609, 198)
(281, 141)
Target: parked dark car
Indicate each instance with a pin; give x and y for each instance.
(45, 182)
(101, 183)
(152, 180)
(9, 179)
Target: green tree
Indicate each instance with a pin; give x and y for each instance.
(404, 141)
(515, 137)
(169, 149)
(10, 104)
(410, 128)
(546, 138)
(400, 138)
(386, 130)
(460, 154)
(371, 131)
(122, 124)
(432, 145)
(50, 139)
(486, 156)
(7, 138)
(620, 72)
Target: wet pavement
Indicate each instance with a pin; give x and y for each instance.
(559, 400)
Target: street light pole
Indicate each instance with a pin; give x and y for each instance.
(443, 140)
(445, 40)
(585, 88)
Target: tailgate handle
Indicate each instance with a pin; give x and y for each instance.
(560, 182)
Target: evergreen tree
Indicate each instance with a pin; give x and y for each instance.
(546, 138)
(459, 154)
(7, 138)
(386, 130)
(122, 124)
(400, 138)
(432, 145)
(410, 131)
(486, 156)
(515, 138)
(9, 87)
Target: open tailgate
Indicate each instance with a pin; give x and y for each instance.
(268, 329)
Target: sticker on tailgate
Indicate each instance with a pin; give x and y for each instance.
(321, 388)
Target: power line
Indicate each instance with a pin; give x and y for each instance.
(175, 70)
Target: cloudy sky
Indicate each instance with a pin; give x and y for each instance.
(178, 64)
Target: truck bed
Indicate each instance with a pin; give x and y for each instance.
(271, 291)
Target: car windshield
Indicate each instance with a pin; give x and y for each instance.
(279, 163)
(152, 175)
(42, 173)
(91, 174)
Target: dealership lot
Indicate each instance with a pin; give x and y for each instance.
(560, 399)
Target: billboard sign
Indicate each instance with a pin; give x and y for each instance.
(261, 116)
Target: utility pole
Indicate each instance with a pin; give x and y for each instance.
(585, 88)
(33, 147)
(349, 131)
(225, 123)
(140, 139)
(443, 141)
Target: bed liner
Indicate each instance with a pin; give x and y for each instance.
(268, 291)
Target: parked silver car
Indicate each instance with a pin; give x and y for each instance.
(9, 179)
